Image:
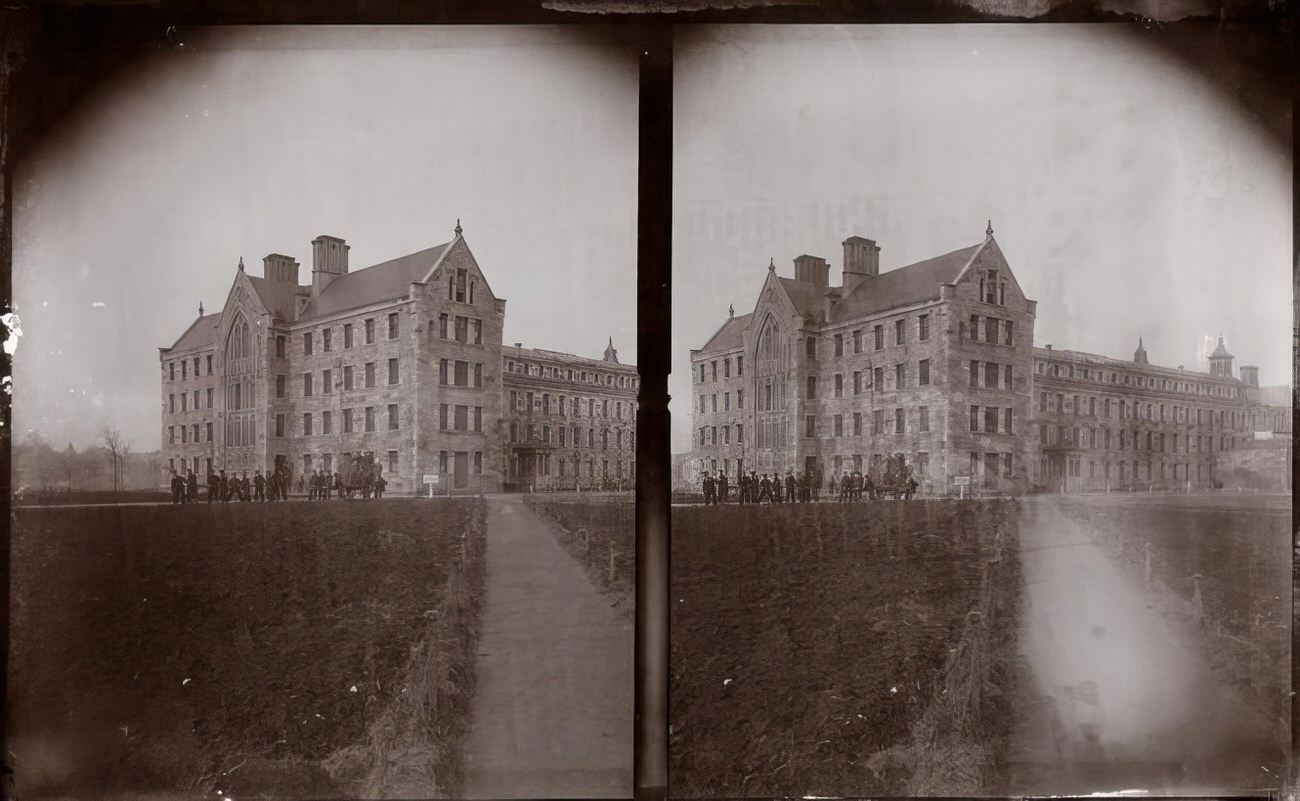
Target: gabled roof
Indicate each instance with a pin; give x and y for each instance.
(201, 333)
(805, 296)
(388, 280)
(730, 335)
(910, 284)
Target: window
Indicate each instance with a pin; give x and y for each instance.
(810, 348)
(171, 435)
(347, 377)
(370, 375)
(327, 340)
(991, 419)
(185, 370)
(838, 425)
(877, 422)
(209, 435)
(1007, 422)
(974, 374)
(740, 432)
(209, 397)
(392, 371)
(923, 419)
(898, 376)
(1006, 376)
(171, 371)
(279, 352)
(326, 423)
(857, 424)
(923, 327)
(812, 386)
(370, 419)
(478, 376)
(392, 417)
(306, 424)
(392, 325)
(974, 418)
(857, 382)
(839, 385)
(280, 386)
(1006, 459)
(810, 426)
(462, 329)
(306, 385)
(726, 402)
(879, 333)
(740, 399)
(326, 382)
(442, 421)
(185, 401)
(990, 375)
(306, 344)
(347, 421)
(839, 344)
(878, 379)
(974, 326)
(857, 341)
(370, 331)
(478, 421)
(1006, 333)
(899, 421)
(923, 372)
(991, 329)
(898, 332)
(740, 365)
(478, 332)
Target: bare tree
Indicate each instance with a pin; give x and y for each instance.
(118, 448)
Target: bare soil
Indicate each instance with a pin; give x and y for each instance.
(815, 649)
(182, 650)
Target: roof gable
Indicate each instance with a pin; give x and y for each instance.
(201, 333)
(911, 284)
(730, 336)
(389, 280)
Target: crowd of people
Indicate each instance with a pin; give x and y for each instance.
(225, 488)
(799, 487)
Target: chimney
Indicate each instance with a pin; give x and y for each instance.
(279, 292)
(1250, 375)
(329, 260)
(861, 261)
(812, 269)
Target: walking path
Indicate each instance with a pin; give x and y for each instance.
(553, 704)
(1115, 700)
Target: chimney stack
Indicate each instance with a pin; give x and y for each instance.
(861, 262)
(812, 269)
(1250, 375)
(329, 260)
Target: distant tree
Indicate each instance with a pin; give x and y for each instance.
(118, 449)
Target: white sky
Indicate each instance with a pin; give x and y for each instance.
(245, 142)
(1129, 198)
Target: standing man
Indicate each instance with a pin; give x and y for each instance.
(192, 487)
(722, 487)
(790, 486)
(225, 487)
(214, 486)
(176, 488)
(259, 486)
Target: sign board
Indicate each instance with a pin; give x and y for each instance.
(430, 478)
(961, 481)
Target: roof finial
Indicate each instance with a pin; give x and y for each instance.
(989, 231)
(771, 263)
(200, 308)
(457, 226)
(241, 264)
(731, 310)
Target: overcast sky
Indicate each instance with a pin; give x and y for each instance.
(1129, 198)
(244, 142)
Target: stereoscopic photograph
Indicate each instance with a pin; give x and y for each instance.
(296, 522)
(982, 366)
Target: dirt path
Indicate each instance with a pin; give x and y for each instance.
(1114, 700)
(553, 706)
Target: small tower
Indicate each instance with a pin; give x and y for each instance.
(1140, 355)
(1221, 361)
(329, 261)
(611, 355)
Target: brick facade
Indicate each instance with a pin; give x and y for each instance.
(402, 360)
(936, 361)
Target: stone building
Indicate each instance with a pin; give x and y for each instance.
(572, 421)
(1111, 424)
(931, 360)
(935, 361)
(401, 360)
